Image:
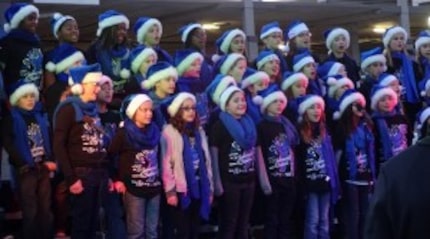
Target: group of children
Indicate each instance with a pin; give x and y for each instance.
(135, 130)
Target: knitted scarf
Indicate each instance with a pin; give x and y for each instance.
(142, 138)
(106, 58)
(242, 130)
(81, 108)
(252, 109)
(330, 163)
(314, 87)
(190, 84)
(162, 55)
(289, 129)
(407, 77)
(24, 35)
(197, 189)
(382, 126)
(20, 129)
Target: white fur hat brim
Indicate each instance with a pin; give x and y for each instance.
(225, 45)
(188, 61)
(176, 104)
(423, 117)
(145, 27)
(259, 76)
(266, 59)
(306, 104)
(225, 82)
(388, 80)
(334, 70)
(187, 31)
(335, 33)
(304, 61)
(225, 96)
(296, 30)
(28, 88)
(135, 103)
(421, 41)
(159, 75)
(22, 13)
(393, 31)
(426, 88)
(112, 21)
(232, 58)
(372, 59)
(137, 62)
(354, 97)
(272, 30)
(277, 95)
(381, 93)
(91, 77)
(60, 22)
(66, 63)
(338, 84)
(291, 80)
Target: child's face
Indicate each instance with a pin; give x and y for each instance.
(27, 101)
(30, 23)
(339, 92)
(69, 32)
(238, 70)
(425, 50)
(236, 105)
(339, 44)
(276, 107)
(152, 37)
(238, 45)
(261, 85)
(271, 67)
(199, 38)
(188, 109)
(375, 69)
(303, 40)
(273, 40)
(148, 62)
(314, 113)
(120, 33)
(167, 85)
(386, 104)
(90, 91)
(194, 69)
(397, 43)
(106, 93)
(299, 88)
(310, 70)
(143, 115)
(357, 109)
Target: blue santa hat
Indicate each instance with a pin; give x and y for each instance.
(294, 29)
(422, 117)
(64, 57)
(111, 18)
(84, 74)
(20, 88)
(300, 60)
(264, 57)
(225, 63)
(390, 32)
(331, 34)
(423, 38)
(159, 71)
(225, 96)
(267, 96)
(269, 28)
(336, 82)
(131, 103)
(252, 76)
(57, 21)
(386, 79)
(142, 26)
(138, 55)
(348, 98)
(307, 101)
(174, 103)
(184, 59)
(378, 92)
(329, 68)
(371, 56)
(218, 86)
(424, 86)
(17, 12)
(223, 43)
(290, 78)
(184, 31)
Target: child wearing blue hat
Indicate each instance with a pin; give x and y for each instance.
(422, 124)
(298, 38)
(306, 64)
(253, 82)
(233, 64)
(271, 35)
(231, 41)
(269, 62)
(141, 58)
(422, 49)
(294, 85)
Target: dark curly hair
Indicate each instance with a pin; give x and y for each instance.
(178, 122)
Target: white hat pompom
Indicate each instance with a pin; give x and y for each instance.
(336, 115)
(258, 100)
(331, 81)
(77, 89)
(6, 27)
(50, 66)
(57, 15)
(124, 74)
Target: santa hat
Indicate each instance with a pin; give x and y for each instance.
(106, 79)
(177, 101)
(390, 32)
(64, 57)
(138, 55)
(226, 62)
(83, 74)
(423, 38)
(378, 92)
(57, 21)
(300, 60)
(371, 56)
(111, 18)
(20, 88)
(142, 26)
(290, 78)
(225, 96)
(267, 96)
(329, 68)
(423, 116)
(17, 12)
(336, 82)
(187, 29)
(348, 98)
(386, 79)
(218, 86)
(307, 101)
(294, 29)
(331, 34)
(223, 43)
(424, 86)
(157, 72)
(264, 57)
(252, 76)
(269, 28)
(131, 103)
(184, 59)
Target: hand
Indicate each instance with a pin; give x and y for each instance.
(111, 186)
(219, 191)
(77, 187)
(211, 199)
(51, 166)
(267, 191)
(120, 187)
(172, 200)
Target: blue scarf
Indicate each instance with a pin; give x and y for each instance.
(24, 35)
(197, 189)
(190, 84)
(363, 140)
(289, 129)
(382, 126)
(106, 56)
(252, 109)
(162, 55)
(407, 77)
(146, 138)
(20, 129)
(81, 109)
(242, 130)
(314, 87)
(330, 164)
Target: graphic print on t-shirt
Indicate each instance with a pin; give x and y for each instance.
(240, 161)
(92, 139)
(398, 139)
(35, 141)
(145, 169)
(281, 157)
(315, 164)
(31, 68)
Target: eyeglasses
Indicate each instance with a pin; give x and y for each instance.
(188, 108)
